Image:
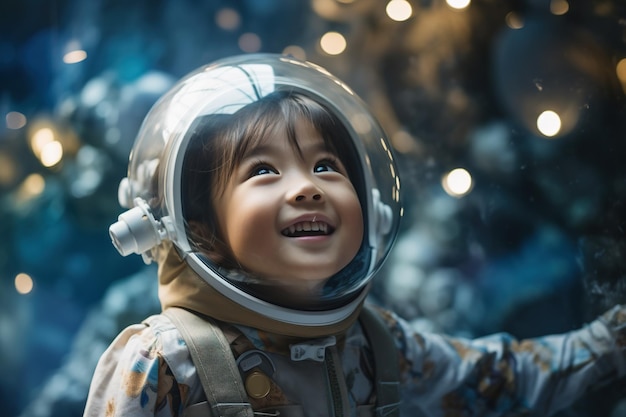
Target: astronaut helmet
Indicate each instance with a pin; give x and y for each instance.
(178, 153)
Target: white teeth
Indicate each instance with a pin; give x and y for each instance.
(307, 227)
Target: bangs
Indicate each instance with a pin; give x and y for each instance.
(279, 113)
(303, 108)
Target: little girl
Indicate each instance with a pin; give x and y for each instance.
(269, 197)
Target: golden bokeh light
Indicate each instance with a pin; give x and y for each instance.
(458, 4)
(46, 147)
(327, 9)
(40, 139)
(75, 56)
(51, 154)
(23, 283)
(31, 187)
(559, 7)
(333, 43)
(620, 70)
(399, 10)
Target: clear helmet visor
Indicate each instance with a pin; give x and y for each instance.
(194, 144)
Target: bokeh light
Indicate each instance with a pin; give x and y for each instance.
(40, 139)
(228, 19)
(333, 43)
(457, 182)
(32, 186)
(514, 20)
(75, 56)
(295, 51)
(51, 154)
(399, 10)
(15, 120)
(620, 70)
(23, 283)
(458, 4)
(549, 123)
(250, 42)
(46, 147)
(8, 169)
(559, 7)
(361, 123)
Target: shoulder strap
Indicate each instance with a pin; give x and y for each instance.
(385, 361)
(215, 363)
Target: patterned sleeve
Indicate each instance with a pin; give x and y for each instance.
(133, 376)
(498, 375)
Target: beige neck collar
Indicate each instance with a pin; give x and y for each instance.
(180, 286)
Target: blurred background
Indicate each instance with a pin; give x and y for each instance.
(507, 116)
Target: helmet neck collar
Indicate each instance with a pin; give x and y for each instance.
(181, 286)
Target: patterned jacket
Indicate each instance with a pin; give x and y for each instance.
(148, 371)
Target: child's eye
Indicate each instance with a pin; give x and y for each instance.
(326, 165)
(262, 169)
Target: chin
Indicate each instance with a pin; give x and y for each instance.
(303, 285)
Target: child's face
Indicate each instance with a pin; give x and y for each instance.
(293, 219)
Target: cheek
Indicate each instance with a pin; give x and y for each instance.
(249, 224)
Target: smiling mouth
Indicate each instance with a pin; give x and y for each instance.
(301, 229)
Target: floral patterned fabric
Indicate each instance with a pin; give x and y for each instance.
(147, 370)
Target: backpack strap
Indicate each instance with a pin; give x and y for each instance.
(385, 361)
(213, 358)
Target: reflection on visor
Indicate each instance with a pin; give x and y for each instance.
(252, 81)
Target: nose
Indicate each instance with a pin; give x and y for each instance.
(304, 190)
(302, 197)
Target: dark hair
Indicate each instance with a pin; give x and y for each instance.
(218, 143)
